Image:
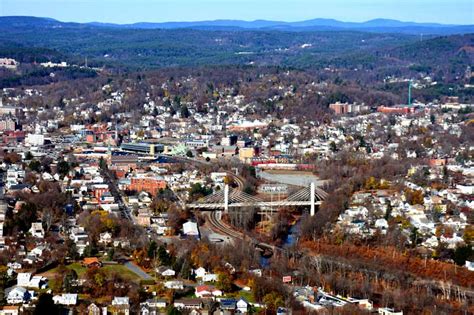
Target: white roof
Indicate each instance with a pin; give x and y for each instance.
(190, 228)
(23, 278)
(120, 300)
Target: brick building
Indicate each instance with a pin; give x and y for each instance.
(395, 110)
(149, 184)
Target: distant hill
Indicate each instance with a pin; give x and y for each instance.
(376, 25)
(318, 44)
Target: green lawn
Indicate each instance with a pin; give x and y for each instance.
(74, 266)
(80, 270)
(122, 271)
(247, 295)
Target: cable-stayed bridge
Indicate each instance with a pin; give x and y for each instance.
(229, 198)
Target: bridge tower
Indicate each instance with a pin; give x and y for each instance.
(226, 198)
(312, 191)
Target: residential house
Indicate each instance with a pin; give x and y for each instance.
(23, 279)
(105, 238)
(210, 277)
(67, 299)
(120, 305)
(177, 285)
(152, 306)
(200, 272)
(9, 310)
(123, 243)
(38, 282)
(93, 309)
(190, 229)
(17, 295)
(37, 230)
(90, 262)
(242, 305)
(188, 304)
(389, 311)
(228, 304)
(207, 291)
(166, 271)
(78, 234)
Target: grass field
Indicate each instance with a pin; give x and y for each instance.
(109, 269)
(122, 271)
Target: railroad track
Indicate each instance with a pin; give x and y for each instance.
(238, 180)
(218, 226)
(222, 228)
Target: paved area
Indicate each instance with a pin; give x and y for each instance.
(134, 268)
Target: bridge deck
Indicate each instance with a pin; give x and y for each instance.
(251, 204)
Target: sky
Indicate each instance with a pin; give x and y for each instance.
(130, 11)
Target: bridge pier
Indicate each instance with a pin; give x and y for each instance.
(312, 191)
(226, 198)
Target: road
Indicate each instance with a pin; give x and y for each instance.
(135, 269)
(126, 213)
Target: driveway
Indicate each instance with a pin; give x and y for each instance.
(135, 269)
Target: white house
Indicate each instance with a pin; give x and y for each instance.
(200, 272)
(121, 305)
(166, 271)
(155, 303)
(14, 265)
(37, 230)
(17, 295)
(470, 265)
(389, 311)
(38, 282)
(190, 228)
(210, 277)
(121, 300)
(78, 234)
(242, 306)
(206, 291)
(38, 251)
(65, 299)
(188, 304)
(23, 279)
(177, 285)
(381, 224)
(105, 238)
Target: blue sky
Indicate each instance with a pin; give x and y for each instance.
(129, 11)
